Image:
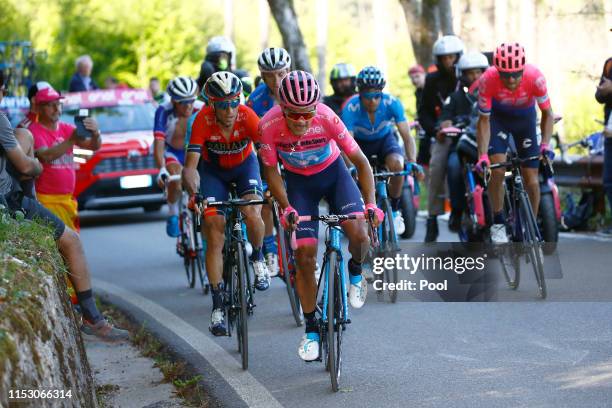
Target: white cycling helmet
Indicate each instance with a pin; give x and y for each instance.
(274, 59)
(222, 44)
(472, 60)
(447, 45)
(222, 85)
(182, 88)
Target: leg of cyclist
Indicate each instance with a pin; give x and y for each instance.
(249, 187)
(496, 195)
(345, 198)
(214, 187)
(456, 189)
(394, 161)
(214, 231)
(270, 247)
(174, 193)
(436, 187)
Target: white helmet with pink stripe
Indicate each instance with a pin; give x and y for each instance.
(299, 89)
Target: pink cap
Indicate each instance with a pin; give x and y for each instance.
(47, 95)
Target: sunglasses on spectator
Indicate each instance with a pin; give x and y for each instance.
(227, 104)
(371, 95)
(54, 104)
(300, 115)
(508, 75)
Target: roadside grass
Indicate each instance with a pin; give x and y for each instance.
(187, 386)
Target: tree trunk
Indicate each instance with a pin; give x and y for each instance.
(322, 27)
(287, 22)
(423, 27)
(446, 17)
(264, 24)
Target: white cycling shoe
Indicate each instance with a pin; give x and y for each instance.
(262, 275)
(357, 293)
(272, 262)
(398, 223)
(498, 234)
(309, 347)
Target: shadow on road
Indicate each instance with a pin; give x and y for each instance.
(115, 217)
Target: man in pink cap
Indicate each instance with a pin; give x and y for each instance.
(53, 143)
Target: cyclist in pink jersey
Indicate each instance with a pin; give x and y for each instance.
(507, 96)
(308, 137)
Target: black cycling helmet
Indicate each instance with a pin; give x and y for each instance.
(343, 71)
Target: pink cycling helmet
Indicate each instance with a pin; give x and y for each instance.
(509, 57)
(299, 89)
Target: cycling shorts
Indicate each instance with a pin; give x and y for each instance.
(215, 181)
(173, 155)
(381, 147)
(335, 184)
(523, 130)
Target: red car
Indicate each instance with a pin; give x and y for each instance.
(121, 174)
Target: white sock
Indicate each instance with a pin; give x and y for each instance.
(173, 208)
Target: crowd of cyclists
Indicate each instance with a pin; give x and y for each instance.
(298, 146)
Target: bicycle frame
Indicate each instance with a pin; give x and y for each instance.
(332, 243)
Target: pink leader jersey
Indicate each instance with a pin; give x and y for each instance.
(308, 154)
(494, 96)
(58, 177)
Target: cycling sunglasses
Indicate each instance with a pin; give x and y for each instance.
(301, 115)
(187, 102)
(371, 95)
(508, 75)
(227, 104)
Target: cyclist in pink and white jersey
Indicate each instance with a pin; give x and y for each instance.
(308, 136)
(507, 95)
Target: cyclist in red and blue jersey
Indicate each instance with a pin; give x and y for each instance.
(169, 145)
(222, 135)
(308, 136)
(274, 64)
(507, 95)
(371, 117)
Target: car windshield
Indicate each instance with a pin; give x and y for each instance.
(124, 118)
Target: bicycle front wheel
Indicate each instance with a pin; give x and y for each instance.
(533, 244)
(334, 320)
(241, 297)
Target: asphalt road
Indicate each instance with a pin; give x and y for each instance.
(527, 353)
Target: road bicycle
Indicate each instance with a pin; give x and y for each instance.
(189, 243)
(238, 288)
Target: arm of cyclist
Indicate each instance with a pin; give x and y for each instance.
(409, 143)
(546, 127)
(190, 175)
(366, 181)
(483, 135)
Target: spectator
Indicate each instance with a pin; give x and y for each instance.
(81, 80)
(53, 142)
(111, 83)
(68, 241)
(604, 95)
(158, 95)
(417, 77)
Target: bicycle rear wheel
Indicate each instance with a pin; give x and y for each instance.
(287, 265)
(532, 243)
(390, 248)
(334, 331)
(241, 297)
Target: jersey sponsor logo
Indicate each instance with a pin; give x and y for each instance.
(314, 130)
(342, 135)
(352, 107)
(270, 122)
(253, 182)
(540, 83)
(215, 138)
(265, 146)
(527, 143)
(336, 120)
(303, 143)
(227, 148)
(502, 135)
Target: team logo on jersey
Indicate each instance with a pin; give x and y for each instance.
(502, 135)
(527, 143)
